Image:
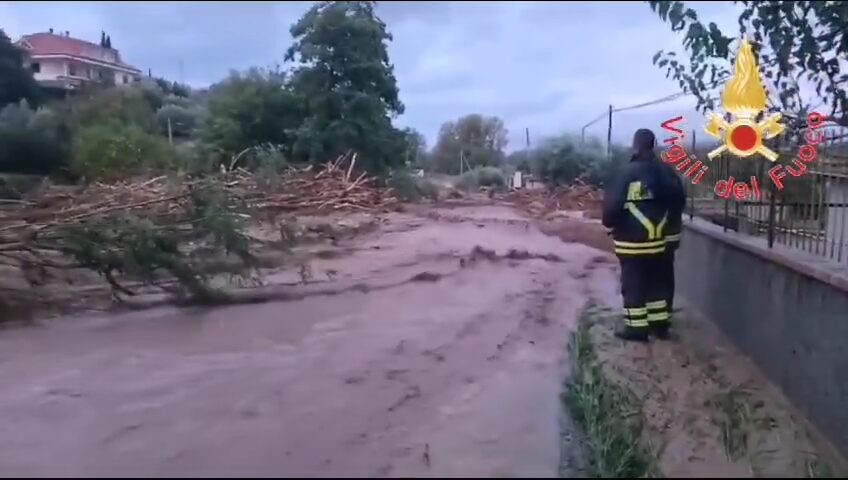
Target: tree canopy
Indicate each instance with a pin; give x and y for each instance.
(346, 83)
(476, 139)
(797, 43)
(16, 81)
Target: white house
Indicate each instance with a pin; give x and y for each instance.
(61, 61)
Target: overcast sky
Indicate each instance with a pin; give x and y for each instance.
(550, 67)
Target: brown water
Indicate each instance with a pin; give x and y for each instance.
(453, 373)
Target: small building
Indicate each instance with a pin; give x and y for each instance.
(61, 61)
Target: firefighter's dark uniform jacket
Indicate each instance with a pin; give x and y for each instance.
(675, 209)
(638, 206)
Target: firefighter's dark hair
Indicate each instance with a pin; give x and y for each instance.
(644, 139)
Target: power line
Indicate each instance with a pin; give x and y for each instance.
(657, 101)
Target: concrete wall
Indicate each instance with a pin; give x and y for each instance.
(783, 309)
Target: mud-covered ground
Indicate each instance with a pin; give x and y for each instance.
(432, 346)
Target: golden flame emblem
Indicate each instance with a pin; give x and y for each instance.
(744, 97)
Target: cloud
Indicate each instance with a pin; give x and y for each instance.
(546, 66)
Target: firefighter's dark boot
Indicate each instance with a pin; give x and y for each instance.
(660, 330)
(635, 326)
(632, 334)
(659, 318)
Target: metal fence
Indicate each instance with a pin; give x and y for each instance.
(810, 213)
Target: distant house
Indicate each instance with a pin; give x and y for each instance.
(61, 61)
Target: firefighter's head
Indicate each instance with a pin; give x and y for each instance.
(644, 141)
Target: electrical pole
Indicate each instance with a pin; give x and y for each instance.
(527, 137)
(609, 135)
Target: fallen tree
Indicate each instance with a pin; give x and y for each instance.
(167, 233)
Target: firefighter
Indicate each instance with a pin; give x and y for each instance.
(672, 242)
(636, 208)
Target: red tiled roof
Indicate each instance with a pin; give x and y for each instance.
(53, 44)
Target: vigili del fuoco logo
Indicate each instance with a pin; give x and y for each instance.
(744, 99)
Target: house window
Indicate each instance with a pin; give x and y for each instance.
(72, 70)
(36, 67)
(100, 74)
(126, 79)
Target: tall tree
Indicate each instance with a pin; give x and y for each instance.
(797, 43)
(475, 139)
(346, 83)
(16, 81)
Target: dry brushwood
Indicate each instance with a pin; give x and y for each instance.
(577, 196)
(166, 232)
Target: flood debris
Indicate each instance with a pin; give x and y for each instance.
(168, 233)
(542, 202)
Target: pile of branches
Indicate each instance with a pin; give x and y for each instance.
(317, 190)
(541, 202)
(166, 232)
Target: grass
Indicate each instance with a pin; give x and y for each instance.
(610, 416)
(735, 419)
(818, 469)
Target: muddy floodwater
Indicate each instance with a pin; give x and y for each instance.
(434, 345)
(438, 361)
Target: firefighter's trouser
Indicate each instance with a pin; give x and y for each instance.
(667, 272)
(644, 291)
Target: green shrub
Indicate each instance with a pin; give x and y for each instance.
(482, 177)
(33, 142)
(250, 109)
(124, 105)
(109, 152)
(404, 186)
(183, 119)
(408, 187)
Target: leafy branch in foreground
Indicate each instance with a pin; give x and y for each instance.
(799, 44)
(150, 250)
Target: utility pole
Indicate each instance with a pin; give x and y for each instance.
(609, 135)
(527, 137)
(690, 189)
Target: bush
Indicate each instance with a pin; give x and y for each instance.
(482, 177)
(124, 105)
(408, 187)
(251, 109)
(183, 120)
(109, 152)
(562, 160)
(33, 142)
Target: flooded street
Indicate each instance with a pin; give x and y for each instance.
(420, 355)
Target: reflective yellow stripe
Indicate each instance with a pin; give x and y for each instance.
(661, 226)
(636, 311)
(658, 317)
(656, 304)
(672, 238)
(655, 243)
(645, 221)
(639, 323)
(632, 251)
